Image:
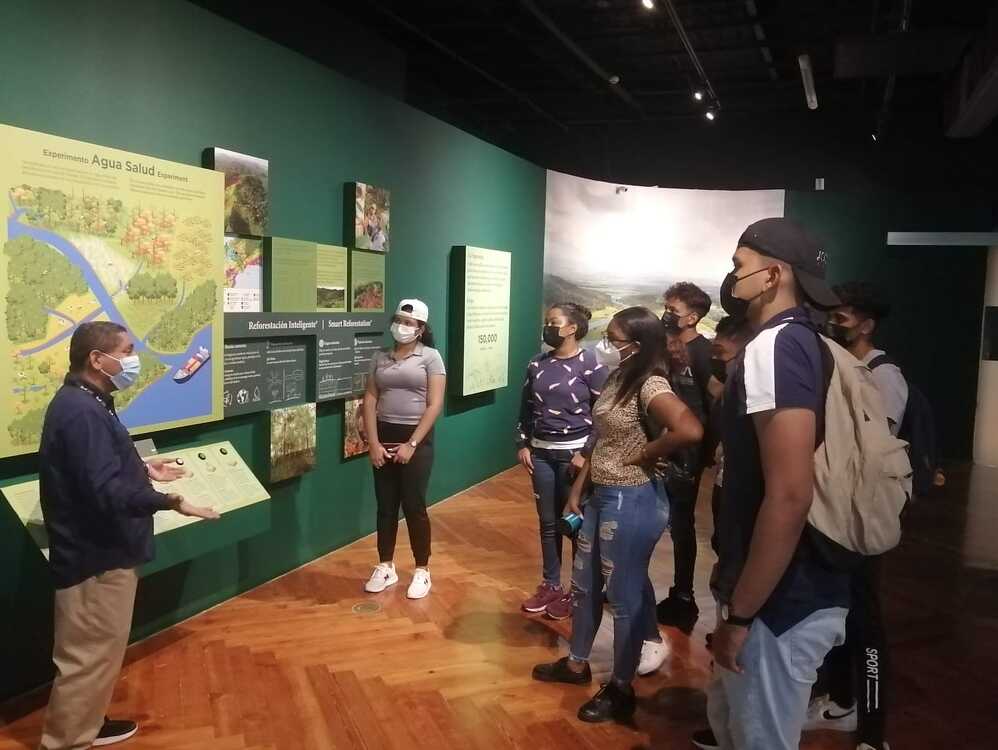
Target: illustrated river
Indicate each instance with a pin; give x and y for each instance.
(165, 400)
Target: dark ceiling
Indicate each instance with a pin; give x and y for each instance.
(535, 76)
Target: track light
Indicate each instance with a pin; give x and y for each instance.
(649, 4)
(710, 114)
(807, 78)
(874, 137)
(698, 95)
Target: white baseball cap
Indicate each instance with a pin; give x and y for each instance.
(414, 308)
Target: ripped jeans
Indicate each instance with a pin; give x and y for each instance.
(620, 528)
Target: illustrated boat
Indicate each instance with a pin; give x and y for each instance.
(194, 364)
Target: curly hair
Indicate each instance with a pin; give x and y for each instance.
(690, 295)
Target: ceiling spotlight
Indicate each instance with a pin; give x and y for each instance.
(614, 80)
(874, 137)
(698, 95)
(649, 4)
(710, 114)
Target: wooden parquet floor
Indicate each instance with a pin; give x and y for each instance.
(310, 661)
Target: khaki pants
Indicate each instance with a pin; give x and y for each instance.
(92, 621)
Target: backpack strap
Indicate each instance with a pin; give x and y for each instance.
(881, 359)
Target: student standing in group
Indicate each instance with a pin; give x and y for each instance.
(555, 425)
(686, 305)
(97, 503)
(404, 397)
(624, 515)
(864, 658)
(782, 608)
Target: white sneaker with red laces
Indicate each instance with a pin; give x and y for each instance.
(383, 576)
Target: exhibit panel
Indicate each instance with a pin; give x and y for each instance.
(97, 233)
(289, 194)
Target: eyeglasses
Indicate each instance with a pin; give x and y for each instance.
(608, 340)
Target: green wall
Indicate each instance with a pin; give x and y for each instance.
(934, 330)
(168, 79)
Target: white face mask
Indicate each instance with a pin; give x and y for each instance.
(404, 334)
(131, 366)
(609, 356)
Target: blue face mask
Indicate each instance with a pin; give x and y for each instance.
(131, 366)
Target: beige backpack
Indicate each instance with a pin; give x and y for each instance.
(862, 475)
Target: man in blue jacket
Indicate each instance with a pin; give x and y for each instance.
(98, 503)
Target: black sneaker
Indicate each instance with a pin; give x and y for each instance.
(678, 612)
(611, 702)
(115, 731)
(559, 672)
(705, 740)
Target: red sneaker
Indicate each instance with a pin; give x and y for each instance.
(545, 594)
(561, 608)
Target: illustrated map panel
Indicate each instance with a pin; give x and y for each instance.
(94, 233)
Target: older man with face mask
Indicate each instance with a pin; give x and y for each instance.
(98, 503)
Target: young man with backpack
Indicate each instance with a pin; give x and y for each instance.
(777, 595)
(863, 660)
(686, 305)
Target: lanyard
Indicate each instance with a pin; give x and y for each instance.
(101, 401)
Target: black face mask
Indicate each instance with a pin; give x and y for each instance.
(840, 334)
(734, 306)
(552, 337)
(670, 320)
(719, 369)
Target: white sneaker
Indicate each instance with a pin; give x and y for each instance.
(383, 576)
(864, 746)
(420, 585)
(824, 713)
(653, 655)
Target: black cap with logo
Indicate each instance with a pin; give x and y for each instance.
(786, 240)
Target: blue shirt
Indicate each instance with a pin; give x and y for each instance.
(96, 496)
(557, 398)
(780, 368)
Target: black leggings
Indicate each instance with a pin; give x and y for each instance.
(404, 486)
(859, 670)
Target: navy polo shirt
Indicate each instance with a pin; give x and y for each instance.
(96, 496)
(780, 368)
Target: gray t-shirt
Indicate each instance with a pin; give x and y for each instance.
(403, 385)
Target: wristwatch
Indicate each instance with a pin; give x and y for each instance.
(729, 618)
(413, 444)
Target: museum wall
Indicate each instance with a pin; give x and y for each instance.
(168, 79)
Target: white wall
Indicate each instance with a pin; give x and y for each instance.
(986, 423)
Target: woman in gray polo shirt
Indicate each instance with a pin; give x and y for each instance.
(405, 395)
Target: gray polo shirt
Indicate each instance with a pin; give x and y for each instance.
(402, 385)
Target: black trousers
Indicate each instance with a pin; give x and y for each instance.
(682, 528)
(859, 670)
(404, 486)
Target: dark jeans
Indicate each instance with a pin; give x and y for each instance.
(859, 670)
(403, 485)
(552, 480)
(684, 536)
(620, 528)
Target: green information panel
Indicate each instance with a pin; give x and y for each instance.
(367, 281)
(481, 287)
(291, 269)
(331, 278)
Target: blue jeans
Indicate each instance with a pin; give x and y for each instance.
(764, 708)
(552, 480)
(620, 528)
